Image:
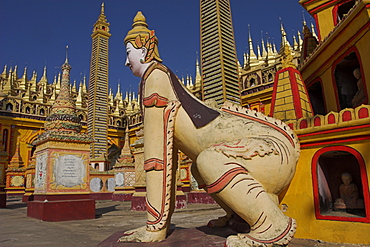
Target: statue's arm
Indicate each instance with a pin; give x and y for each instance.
(158, 149)
(155, 100)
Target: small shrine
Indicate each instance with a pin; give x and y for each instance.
(124, 173)
(62, 163)
(15, 180)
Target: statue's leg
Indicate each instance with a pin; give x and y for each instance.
(154, 230)
(223, 220)
(234, 185)
(160, 177)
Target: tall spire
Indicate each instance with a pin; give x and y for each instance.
(101, 25)
(97, 117)
(220, 77)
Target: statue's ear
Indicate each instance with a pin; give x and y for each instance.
(144, 51)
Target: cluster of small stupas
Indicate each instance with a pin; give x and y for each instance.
(35, 97)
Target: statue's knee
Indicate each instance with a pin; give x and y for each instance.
(202, 161)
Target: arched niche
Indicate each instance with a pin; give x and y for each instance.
(316, 94)
(348, 81)
(328, 166)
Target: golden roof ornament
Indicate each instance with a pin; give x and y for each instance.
(140, 36)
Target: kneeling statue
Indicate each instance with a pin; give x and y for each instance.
(243, 158)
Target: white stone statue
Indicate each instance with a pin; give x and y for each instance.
(243, 158)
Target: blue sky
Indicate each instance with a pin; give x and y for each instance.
(34, 33)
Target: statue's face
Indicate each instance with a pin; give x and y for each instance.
(346, 179)
(133, 59)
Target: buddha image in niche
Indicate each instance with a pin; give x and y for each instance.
(349, 196)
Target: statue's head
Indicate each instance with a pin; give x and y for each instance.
(346, 178)
(143, 39)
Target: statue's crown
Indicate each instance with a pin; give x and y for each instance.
(140, 36)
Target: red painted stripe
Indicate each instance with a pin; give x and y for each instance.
(282, 235)
(335, 130)
(151, 210)
(153, 163)
(337, 141)
(225, 179)
(295, 93)
(322, 6)
(155, 100)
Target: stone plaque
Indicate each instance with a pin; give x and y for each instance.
(40, 175)
(96, 184)
(16, 181)
(69, 170)
(120, 180)
(110, 184)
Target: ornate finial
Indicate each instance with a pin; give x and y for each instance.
(66, 65)
(102, 8)
(303, 19)
(66, 54)
(140, 36)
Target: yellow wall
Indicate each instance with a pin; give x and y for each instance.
(326, 22)
(363, 48)
(300, 201)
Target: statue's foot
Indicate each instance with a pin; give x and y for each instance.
(220, 222)
(270, 238)
(141, 234)
(238, 224)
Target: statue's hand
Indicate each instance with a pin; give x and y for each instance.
(142, 235)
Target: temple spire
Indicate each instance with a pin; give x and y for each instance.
(252, 55)
(4, 71)
(284, 41)
(23, 81)
(64, 103)
(263, 48)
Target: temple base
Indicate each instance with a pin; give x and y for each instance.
(101, 196)
(200, 197)
(2, 199)
(61, 210)
(121, 197)
(138, 203)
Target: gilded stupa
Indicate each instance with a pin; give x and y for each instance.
(63, 124)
